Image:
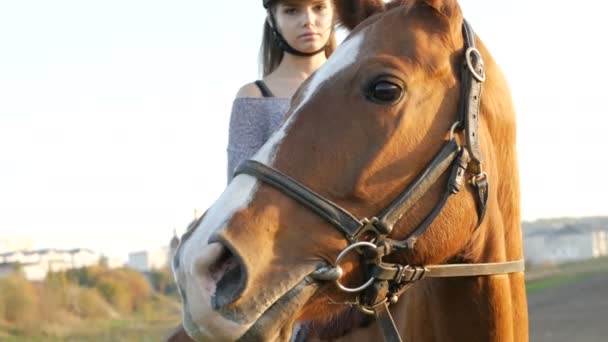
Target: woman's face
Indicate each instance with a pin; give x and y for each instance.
(305, 25)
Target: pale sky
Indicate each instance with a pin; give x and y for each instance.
(114, 114)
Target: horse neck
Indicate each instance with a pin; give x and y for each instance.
(487, 308)
(457, 309)
(465, 309)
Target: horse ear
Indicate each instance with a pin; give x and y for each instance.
(445, 7)
(352, 12)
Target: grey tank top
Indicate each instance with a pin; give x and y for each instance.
(252, 121)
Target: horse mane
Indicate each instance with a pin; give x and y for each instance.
(499, 115)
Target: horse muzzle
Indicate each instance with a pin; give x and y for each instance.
(227, 299)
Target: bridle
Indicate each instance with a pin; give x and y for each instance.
(370, 236)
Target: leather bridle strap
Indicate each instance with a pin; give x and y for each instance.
(325, 208)
(341, 218)
(472, 78)
(387, 324)
(473, 270)
(409, 274)
(414, 192)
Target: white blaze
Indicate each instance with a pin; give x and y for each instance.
(343, 57)
(237, 196)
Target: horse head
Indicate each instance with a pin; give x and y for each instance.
(383, 114)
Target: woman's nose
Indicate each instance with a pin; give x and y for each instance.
(308, 16)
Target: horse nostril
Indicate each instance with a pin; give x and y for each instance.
(224, 262)
(228, 274)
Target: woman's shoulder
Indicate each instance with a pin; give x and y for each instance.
(249, 90)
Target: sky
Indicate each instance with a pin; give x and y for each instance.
(114, 114)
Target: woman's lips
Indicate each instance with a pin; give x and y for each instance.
(307, 36)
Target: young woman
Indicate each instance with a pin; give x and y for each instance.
(298, 37)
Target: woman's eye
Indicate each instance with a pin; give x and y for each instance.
(385, 92)
(289, 10)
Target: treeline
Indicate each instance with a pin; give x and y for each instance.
(88, 293)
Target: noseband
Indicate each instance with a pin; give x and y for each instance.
(370, 236)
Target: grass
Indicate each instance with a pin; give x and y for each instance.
(130, 329)
(550, 276)
(135, 332)
(153, 325)
(549, 282)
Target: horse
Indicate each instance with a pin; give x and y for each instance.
(394, 129)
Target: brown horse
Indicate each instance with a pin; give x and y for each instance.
(363, 128)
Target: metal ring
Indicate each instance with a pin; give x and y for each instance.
(453, 129)
(370, 309)
(327, 273)
(475, 73)
(339, 258)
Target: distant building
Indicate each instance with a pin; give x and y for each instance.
(159, 258)
(32, 272)
(569, 242)
(148, 260)
(113, 262)
(82, 257)
(35, 264)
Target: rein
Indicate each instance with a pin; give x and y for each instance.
(370, 236)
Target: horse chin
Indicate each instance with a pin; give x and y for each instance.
(278, 321)
(275, 323)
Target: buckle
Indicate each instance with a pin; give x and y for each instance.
(480, 75)
(478, 178)
(372, 225)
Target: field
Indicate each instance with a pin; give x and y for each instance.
(136, 328)
(568, 302)
(89, 304)
(128, 330)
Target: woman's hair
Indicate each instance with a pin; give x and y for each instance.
(271, 53)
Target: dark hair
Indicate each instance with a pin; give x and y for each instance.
(271, 54)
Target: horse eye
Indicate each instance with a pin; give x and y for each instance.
(385, 92)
